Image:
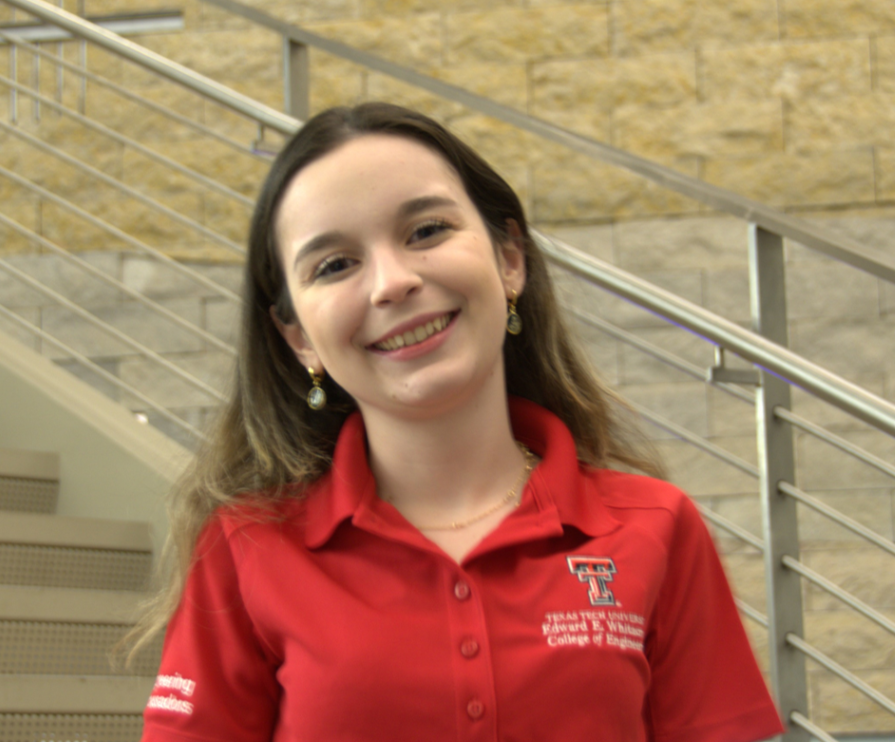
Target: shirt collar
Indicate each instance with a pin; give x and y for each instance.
(557, 493)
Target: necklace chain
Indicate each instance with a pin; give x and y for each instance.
(511, 495)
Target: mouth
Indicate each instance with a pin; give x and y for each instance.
(416, 335)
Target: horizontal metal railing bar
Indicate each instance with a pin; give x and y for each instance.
(748, 610)
(813, 236)
(205, 86)
(187, 172)
(796, 718)
(99, 275)
(114, 332)
(100, 371)
(778, 360)
(731, 527)
(660, 354)
(838, 670)
(834, 440)
(833, 589)
(164, 21)
(694, 439)
(118, 185)
(123, 236)
(139, 99)
(837, 517)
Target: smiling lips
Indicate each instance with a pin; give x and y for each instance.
(416, 335)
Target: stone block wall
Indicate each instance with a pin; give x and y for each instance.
(785, 101)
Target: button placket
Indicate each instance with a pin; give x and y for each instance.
(473, 673)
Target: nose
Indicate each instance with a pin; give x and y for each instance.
(394, 278)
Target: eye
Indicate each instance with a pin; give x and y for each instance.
(429, 229)
(332, 265)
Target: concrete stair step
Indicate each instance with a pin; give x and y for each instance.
(56, 631)
(61, 551)
(29, 481)
(73, 727)
(28, 603)
(59, 694)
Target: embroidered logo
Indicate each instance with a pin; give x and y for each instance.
(597, 572)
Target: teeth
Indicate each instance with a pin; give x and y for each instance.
(417, 335)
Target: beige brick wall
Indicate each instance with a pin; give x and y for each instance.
(786, 101)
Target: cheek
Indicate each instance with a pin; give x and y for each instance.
(328, 324)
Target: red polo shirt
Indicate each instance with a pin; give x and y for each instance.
(597, 610)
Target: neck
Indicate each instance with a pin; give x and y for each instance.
(446, 467)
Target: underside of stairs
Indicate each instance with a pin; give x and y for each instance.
(69, 590)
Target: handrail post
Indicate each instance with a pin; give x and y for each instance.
(296, 79)
(777, 463)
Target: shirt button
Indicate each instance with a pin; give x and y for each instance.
(469, 648)
(475, 708)
(461, 590)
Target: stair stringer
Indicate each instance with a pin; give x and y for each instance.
(112, 466)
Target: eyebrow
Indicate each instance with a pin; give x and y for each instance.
(416, 205)
(407, 209)
(320, 242)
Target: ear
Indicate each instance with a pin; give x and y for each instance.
(511, 258)
(296, 339)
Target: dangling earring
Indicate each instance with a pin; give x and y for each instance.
(514, 321)
(316, 396)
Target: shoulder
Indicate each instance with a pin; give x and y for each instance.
(257, 514)
(644, 502)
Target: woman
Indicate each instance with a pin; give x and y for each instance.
(404, 528)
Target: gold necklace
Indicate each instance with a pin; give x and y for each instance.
(457, 525)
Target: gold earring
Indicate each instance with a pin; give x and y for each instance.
(316, 396)
(514, 321)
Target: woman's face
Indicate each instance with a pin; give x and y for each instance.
(399, 292)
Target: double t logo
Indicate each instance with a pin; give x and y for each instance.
(596, 571)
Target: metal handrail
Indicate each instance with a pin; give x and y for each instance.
(834, 440)
(836, 516)
(101, 372)
(99, 275)
(118, 185)
(125, 93)
(731, 527)
(838, 670)
(847, 396)
(168, 261)
(694, 439)
(811, 235)
(114, 332)
(750, 346)
(833, 589)
(775, 358)
(187, 172)
(796, 718)
(160, 65)
(755, 615)
(660, 354)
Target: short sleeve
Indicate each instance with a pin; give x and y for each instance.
(217, 681)
(705, 684)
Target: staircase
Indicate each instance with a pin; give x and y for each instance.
(122, 219)
(68, 591)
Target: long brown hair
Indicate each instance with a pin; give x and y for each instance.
(266, 436)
